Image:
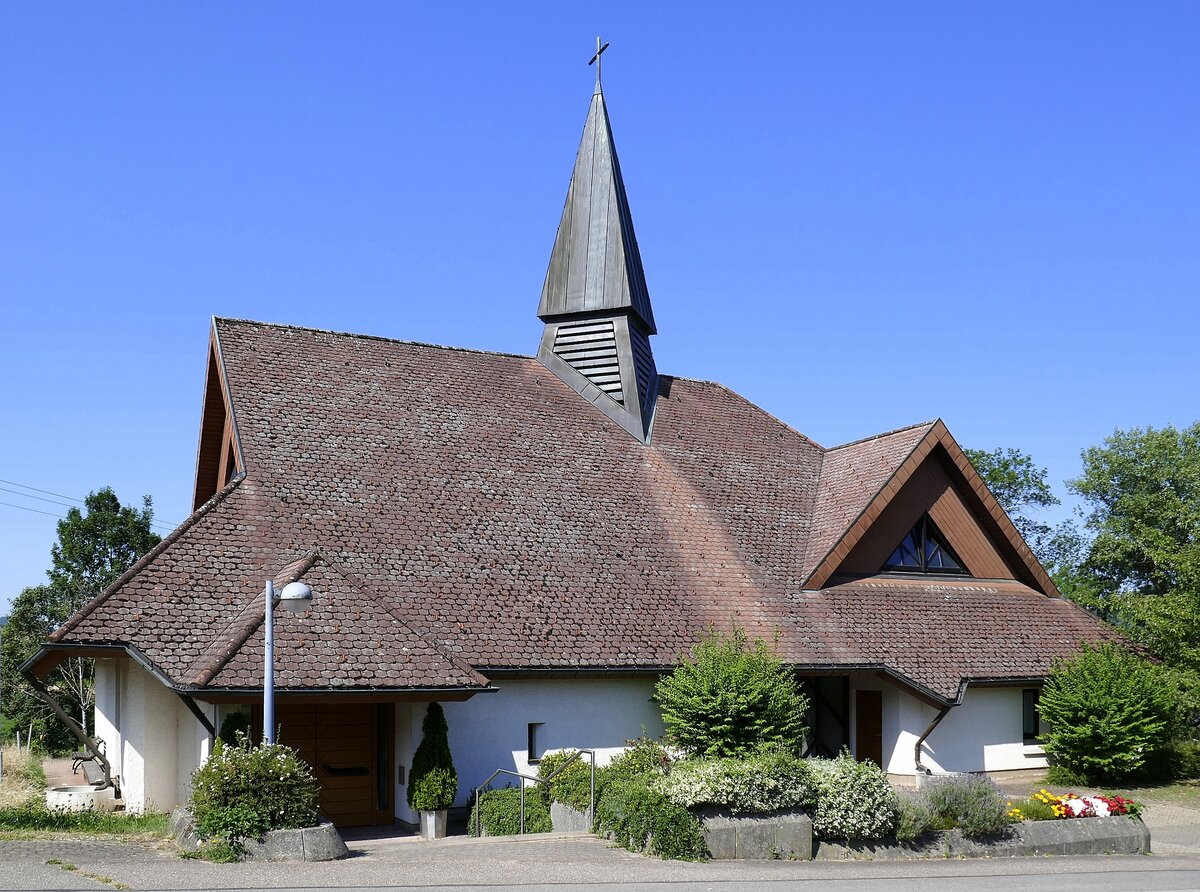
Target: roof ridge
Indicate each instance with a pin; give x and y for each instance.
(145, 560)
(908, 427)
(247, 620)
(366, 590)
(367, 337)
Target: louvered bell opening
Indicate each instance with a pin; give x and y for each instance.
(590, 348)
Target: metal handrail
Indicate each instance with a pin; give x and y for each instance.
(537, 780)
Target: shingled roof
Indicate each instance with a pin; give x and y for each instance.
(463, 513)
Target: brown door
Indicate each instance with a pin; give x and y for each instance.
(348, 745)
(868, 719)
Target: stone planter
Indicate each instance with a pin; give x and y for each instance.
(433, 824)
(781, 834)
(320, 843)
(1073, 836)
(83, 797)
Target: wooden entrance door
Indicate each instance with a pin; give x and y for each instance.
(868, 722)
(348, 746)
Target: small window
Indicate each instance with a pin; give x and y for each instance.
(536, 744)
(924, 550)
(1031, 724)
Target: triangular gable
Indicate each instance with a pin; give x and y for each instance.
(937, 477)
(219, 452)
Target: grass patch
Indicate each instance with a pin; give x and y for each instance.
(23, 778)
(1183, 793)
(34, 817)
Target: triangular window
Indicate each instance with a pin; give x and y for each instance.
(924, 550)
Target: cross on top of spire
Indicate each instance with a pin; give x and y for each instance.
(600, 48)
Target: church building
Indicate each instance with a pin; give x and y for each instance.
(533, 540)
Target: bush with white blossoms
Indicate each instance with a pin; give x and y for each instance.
(759, 783)
(243, 791)
(854, 799)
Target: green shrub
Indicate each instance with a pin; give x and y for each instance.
(1174, 760)
(500, 812)
(913, 817)
(972, 804)
(645, 760)
(1062, 776)
(641, 819)
(854, 799)
(243, 791)
(730, 697)
(1107, 710)
(759, 783)
(433, 782)
(572, 786)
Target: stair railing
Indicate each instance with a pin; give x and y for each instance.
(537, 780)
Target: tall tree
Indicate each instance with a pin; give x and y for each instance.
(94, 547)
(1142, 567)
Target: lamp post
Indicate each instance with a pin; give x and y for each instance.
(296, 598)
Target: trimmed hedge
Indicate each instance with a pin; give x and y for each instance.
(762, 782)
(641, 819)
(500, 812)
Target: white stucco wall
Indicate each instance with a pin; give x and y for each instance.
(490, 731)
(983, 733)
(151, 739)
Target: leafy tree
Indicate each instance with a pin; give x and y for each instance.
(1143, 487)
(433, 782)
(1107, 710)
(94, 547)
(730, 697)
(1141, 570)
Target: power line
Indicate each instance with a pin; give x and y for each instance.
(34, 510)
(163, 525)
(43, 491)
(26, 495)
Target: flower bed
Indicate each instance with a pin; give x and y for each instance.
(1044, 805)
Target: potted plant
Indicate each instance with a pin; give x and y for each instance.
(433, 782)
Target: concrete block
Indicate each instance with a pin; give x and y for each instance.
(565, 819)
(782, 834)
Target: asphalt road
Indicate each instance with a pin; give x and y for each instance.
(566, 865)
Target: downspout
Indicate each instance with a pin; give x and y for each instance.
(91, 745)
(921, 769)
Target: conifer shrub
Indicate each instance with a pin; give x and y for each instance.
(243, 791)
(854, 799)
(1108, 710)
(433, 782)
(235, 729)
(730, 697)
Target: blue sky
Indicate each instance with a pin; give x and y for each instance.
(857, 215)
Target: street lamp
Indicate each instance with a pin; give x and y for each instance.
(295, 598)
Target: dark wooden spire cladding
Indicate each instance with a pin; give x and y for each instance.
(594, 301)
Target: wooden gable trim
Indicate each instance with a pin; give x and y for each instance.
(219, 450)
(938, 435)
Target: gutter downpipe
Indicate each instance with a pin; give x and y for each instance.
(921, 769)
(89, 744)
